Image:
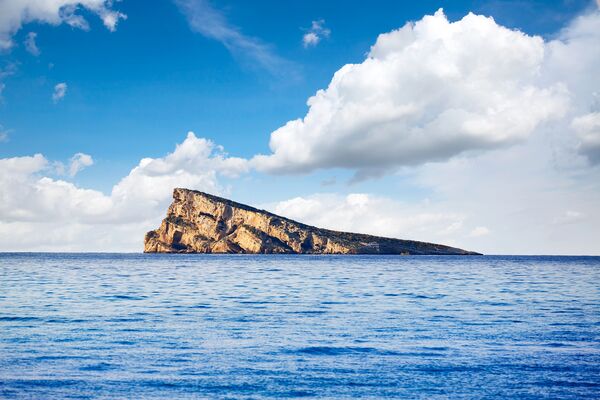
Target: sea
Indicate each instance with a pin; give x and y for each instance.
(157, 326)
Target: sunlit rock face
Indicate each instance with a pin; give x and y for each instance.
(198, 222)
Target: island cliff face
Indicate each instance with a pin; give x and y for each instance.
(198, 222)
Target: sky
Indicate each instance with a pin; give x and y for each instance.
(470, 123)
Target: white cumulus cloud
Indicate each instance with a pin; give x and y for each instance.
(432, 90)
(38, 212)
(15, 13)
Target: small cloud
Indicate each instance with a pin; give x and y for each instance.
(310, 39)
(111, 19)
(78, 162)
(60, 90)
(452, 228)
(568, 217)
(3, 134)
(31, 45)
(8, 70)
(314, 35)
(479, 231)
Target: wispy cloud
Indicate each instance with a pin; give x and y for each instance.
(3, 134)
(60, 90)
(208, 21)
(6, 71)
(31, 45)
(314, 35)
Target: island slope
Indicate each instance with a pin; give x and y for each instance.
(198, 222)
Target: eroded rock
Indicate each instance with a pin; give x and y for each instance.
(198, 222)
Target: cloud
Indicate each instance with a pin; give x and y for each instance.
(479, 231)
(568, 217)
(3, 132)
(60, 90)
(8, 70)
(433, 90)
(78, 162)
(30, 44)
(587, 128)
(520, 195)
(314, 35)
(38, 212)
(15, 13)
(209, 22)
(376, 215)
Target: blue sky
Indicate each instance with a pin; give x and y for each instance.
(136, 91)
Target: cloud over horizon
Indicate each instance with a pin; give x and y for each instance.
(38, 212)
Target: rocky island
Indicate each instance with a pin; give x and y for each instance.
(198, 222)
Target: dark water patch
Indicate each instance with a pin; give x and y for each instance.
(60, 357)
(14, 318)
(558, 344)
(124, 320)
(45, 383)
(65, 321)
(102, 366)
(118, 297)
(308, 312)
(337, 351)
(125, 342)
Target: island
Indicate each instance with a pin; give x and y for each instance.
(199, 222)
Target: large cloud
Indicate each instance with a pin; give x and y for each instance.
(38, 212)
(15, 13)
(435, 89)
(574, 58)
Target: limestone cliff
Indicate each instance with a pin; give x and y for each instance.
(198, 222)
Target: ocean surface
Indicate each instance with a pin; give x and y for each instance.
(115, 326)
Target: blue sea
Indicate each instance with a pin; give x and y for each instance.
(134, 326)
